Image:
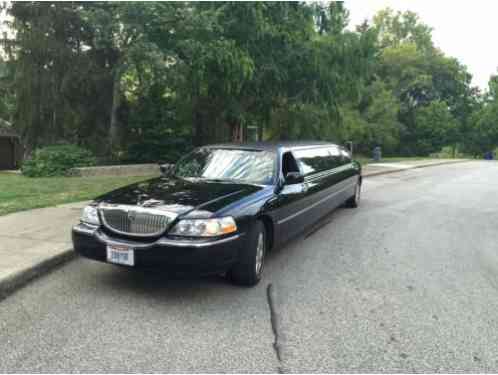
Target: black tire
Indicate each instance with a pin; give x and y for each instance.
(354, 201)
(248, 270)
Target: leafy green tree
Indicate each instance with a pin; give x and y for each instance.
(435, 127)
(398, 28)
(484, 135)
(420, 75)
(147, 81)
(483, 132)
(7, 96)
(120, 30)
(493, 88)
(381, 108)
(47, 40)
(331, 17)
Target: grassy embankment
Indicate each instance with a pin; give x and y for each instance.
(18, 193)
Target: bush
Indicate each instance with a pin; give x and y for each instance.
(57, 160)
(160, 150)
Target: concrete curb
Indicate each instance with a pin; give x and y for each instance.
(132, 170)
(389, 171)
(19, 279)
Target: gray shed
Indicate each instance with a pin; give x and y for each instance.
(10, 148)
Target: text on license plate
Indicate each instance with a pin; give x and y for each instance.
(120, 255)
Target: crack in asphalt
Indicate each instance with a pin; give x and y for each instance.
(270, 296)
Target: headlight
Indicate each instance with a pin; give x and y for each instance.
(204, 227)
(90, 215)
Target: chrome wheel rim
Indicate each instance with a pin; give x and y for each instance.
(260, 253)
(358, 192)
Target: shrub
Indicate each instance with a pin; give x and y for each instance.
(57, 160)
(159, 150)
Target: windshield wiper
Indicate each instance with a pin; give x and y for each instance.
(216, 180)
(219, 180)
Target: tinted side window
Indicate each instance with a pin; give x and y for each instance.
(345, 156)
(289, 164)
(314, 160)
(336, 156)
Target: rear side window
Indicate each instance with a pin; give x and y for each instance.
(314, 160)
(289, 164)
(345, 156)
(336, 154)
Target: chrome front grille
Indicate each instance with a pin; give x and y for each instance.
(135, 220)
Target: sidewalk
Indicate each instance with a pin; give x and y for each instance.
(33, 242)
(380, 168)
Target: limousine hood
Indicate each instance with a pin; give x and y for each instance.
(180, 196)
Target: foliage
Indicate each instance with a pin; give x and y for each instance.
(485, 129)
(398, 28)
(57, 160)
(421, 77)
(435, 127)
(148, 81)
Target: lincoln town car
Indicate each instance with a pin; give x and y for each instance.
(220, 208)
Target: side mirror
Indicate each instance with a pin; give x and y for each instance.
(292, 178)
(166, 169)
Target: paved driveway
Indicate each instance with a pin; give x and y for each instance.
(407, 282)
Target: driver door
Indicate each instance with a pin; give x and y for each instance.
(290, 203)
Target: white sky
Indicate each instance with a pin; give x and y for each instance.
(462, 29)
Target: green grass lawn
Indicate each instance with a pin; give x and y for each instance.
(18, 193)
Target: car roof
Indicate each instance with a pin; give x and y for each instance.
(271, 146)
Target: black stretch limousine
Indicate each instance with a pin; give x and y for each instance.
(220, 208)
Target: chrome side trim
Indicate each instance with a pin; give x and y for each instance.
(102, 237)
(314, 205)
(328, 172)
(84, 228)
(167, 242)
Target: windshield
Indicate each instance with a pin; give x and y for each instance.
(251, 166)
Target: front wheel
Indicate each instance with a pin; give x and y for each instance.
(249, 269)
(354, 201)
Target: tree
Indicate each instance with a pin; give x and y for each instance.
(147, 81)
(420, 75)
(493, 88)
(397, 28)
(43, 54)
(435, 127)
(380, 112)
(483, 132)
(120, 29)
(7, 96)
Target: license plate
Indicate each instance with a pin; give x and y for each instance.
(120, 255)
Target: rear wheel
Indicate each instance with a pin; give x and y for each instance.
(354, 201)
(249, 269)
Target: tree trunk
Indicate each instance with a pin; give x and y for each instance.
(236, 131)
(114, 130)
(33, 123)
(199, 138)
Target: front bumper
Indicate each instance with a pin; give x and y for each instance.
(173, 256)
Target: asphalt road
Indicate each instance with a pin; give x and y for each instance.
(406, 282)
